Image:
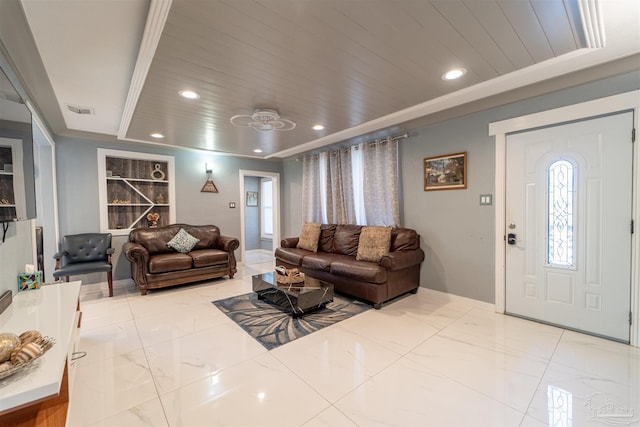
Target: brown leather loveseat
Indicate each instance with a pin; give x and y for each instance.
(154, 264)
(336, 260)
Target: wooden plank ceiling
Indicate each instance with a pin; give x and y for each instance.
(339, 63)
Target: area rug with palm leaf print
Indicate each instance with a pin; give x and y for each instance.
(273, 327)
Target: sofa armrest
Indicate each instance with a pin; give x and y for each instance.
(136, 253)
(289, 242)
(402, 259)
(139, 257)
(227, 244)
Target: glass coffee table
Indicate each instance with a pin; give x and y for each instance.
(298, 298)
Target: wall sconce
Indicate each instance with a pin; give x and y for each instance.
(209, 186)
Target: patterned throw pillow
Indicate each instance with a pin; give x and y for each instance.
(309, 236)
(374, 243)
(183, 242)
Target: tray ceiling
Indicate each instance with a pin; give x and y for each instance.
(355, 67)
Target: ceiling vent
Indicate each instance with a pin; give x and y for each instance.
(79, 110)
(264, 119)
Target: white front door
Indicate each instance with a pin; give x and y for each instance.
(568, 225)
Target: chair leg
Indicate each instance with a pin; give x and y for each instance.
(110, 280)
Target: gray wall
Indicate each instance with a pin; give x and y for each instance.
(251, 216)
(76, 162)
(457, 234)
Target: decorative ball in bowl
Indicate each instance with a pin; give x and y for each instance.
(8, 343)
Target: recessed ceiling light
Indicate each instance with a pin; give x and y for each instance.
(454, 74)
(318, 127)
(157, 135)
(257, 150)
(189, 94)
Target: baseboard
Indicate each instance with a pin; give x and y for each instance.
(456, 298)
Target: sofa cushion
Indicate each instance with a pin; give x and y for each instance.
(327, 232)
(207, 234)
(208, 257)
(345, 240)
(322, 261)
(309, 236)
(183, 242)
(359, 270)
(154, 240)
(404, 239)
(163, 263)
(374, 243)
(292, 256)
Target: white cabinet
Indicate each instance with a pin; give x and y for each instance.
(136, 190)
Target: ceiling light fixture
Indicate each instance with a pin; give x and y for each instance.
(189, 94)
(257, 150)
(318, 127)
(456, 73)
(157, 135)
(264, 119)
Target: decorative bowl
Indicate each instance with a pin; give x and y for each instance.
(8, 343)
(45, 344)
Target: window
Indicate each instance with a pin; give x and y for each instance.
(359, 185)
(266, 206)
(560, 208)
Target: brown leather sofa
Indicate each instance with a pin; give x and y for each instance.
(396, 273)
(155, 265)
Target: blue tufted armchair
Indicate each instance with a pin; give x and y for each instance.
(85, 253)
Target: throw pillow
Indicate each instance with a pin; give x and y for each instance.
(374, 243)
(309, 236)
(183, 242)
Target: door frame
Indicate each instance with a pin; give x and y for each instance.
(275, 177)
(46, 180)
(629, 101)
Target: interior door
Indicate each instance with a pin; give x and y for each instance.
(568, 225)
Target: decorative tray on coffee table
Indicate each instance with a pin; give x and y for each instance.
(288, 276)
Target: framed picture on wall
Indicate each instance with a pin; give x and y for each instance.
(447, 172)
(252, 198)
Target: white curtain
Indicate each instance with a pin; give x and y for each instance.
(354, 186)
(380, 184)
(357, 167)
(312, 209)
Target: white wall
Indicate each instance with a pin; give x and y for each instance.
(46, 199)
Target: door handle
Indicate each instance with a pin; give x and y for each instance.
(511, 239)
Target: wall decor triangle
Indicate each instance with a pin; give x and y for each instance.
(209, 187)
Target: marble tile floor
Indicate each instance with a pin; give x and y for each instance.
(171, 358)
(257, 256)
